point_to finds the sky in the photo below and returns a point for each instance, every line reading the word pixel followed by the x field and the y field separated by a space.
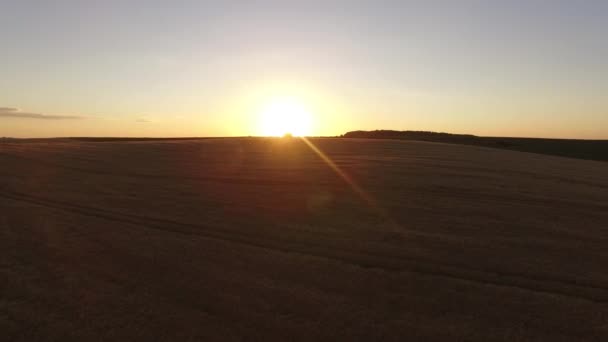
pixel 536 68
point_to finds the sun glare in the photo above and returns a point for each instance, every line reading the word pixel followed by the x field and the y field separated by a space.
pixel 285 116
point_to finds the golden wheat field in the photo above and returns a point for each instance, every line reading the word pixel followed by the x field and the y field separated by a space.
pixel 260 239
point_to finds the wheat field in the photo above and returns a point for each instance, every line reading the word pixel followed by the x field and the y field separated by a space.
pixel 260 239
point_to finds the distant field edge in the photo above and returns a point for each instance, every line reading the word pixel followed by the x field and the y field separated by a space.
pixel 570 148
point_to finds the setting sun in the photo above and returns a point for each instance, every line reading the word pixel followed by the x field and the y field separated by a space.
pixel 285 116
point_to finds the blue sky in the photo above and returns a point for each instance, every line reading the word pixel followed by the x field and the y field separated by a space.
pixel 183 68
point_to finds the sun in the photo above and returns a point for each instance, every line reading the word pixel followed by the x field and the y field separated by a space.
pixel 285 116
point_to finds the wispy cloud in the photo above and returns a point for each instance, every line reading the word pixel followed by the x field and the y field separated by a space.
pixel 8 112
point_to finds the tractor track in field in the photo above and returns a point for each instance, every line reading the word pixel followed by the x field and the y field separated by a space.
pixel 138 175
pixel 338 251
pixel 463 193
pixel 263 181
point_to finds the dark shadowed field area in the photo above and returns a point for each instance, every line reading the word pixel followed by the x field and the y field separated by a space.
pixel 260 240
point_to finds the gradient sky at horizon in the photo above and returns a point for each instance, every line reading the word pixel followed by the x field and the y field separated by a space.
pixel 205 68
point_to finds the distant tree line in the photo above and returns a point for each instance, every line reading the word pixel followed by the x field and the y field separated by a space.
pixel 410 135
